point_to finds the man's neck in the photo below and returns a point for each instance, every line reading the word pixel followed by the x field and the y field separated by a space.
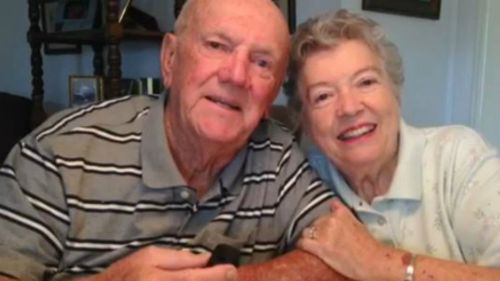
pixel 198 162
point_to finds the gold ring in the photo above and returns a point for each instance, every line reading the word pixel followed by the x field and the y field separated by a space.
pixel 311 232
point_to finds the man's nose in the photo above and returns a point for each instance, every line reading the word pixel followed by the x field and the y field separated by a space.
pixel 236 70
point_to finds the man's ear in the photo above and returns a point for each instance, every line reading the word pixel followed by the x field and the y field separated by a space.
pixel 167 58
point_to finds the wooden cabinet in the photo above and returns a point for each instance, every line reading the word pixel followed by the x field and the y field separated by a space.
pixel 107 38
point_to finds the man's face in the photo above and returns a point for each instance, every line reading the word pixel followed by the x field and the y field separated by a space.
pixel 225 69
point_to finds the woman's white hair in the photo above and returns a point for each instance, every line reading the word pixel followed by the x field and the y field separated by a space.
pixel 329 30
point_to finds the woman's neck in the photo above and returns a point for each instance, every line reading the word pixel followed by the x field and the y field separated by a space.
pixel 373 180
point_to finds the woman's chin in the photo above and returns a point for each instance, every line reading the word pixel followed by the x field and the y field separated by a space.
pixel 361 159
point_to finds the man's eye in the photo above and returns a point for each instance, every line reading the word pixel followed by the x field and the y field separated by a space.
pixel 214 45
pixel 263 63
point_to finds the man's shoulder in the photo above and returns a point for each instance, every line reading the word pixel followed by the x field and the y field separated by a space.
pixel 118 112
pixel 272 131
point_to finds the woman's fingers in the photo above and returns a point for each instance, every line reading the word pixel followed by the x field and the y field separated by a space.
pixel 310 245
pixel 336 204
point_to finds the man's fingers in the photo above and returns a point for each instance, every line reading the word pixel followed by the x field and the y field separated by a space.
pixel 177 260
pixel 224 272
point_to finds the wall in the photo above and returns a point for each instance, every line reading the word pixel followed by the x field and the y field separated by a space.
pixel 14 52
pixel 310 8
pixel 426 47
pixel 488 78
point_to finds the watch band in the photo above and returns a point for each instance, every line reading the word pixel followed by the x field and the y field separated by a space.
pixel 410 269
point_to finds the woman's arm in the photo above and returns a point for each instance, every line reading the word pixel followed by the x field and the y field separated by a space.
pixel 345 245
pixel 297 265
pixel 393 264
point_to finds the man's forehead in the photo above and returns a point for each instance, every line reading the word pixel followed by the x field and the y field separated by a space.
pixel 261 13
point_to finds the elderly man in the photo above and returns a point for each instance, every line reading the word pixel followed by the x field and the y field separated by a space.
pixel 131 188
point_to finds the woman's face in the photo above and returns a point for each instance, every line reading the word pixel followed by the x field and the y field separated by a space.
pixel 350 107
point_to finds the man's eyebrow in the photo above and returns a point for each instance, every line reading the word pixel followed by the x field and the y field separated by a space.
pixel 219 35
pixel 257 48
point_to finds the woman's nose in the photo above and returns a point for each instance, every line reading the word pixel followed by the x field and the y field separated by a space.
pixel 349 104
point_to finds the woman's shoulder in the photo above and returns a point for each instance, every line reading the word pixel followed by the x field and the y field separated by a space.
pixel 455 143
pixel 454 135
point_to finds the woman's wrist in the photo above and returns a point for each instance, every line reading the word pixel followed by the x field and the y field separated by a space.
pixel 390 265
pixel 410 259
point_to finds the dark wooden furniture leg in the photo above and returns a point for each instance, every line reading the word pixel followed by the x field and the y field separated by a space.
pixel 38 114
pixel 114 55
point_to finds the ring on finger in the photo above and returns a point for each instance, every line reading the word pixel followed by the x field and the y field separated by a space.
pixel 311 232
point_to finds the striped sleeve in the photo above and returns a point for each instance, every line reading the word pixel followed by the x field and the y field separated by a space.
pixel 302 195
pixel 33 215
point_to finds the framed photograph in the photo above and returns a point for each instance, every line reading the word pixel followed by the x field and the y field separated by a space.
pixel 75 15
pixel 150 86
pixel 48 10
pixel 85 90
pixel 288 9
pixel 416 8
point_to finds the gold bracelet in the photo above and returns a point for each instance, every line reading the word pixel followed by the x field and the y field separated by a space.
pixel 410 269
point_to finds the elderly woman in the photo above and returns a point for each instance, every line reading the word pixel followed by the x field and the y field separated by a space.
pixel 425 202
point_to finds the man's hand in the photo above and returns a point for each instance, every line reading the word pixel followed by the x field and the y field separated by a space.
pixel 154 264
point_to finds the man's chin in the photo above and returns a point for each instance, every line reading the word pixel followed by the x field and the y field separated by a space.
pixel 223 135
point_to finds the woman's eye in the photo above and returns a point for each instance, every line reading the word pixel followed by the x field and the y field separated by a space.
pixel 321 98
pixel 365 83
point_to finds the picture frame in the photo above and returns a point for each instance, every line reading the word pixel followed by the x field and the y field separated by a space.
pixel 48 17
pixel 429 9
pixel 85 90
pixel 73 15
pixel 150 85
pixel 124 6
pixel 288 8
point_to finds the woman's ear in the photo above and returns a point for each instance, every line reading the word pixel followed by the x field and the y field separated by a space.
pixel 167 58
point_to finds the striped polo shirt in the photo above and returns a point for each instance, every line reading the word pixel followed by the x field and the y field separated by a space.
pixel 95 183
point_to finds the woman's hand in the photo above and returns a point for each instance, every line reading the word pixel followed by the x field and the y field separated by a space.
pixel 343 243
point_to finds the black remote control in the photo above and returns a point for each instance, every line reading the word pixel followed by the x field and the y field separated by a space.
pixel 224 254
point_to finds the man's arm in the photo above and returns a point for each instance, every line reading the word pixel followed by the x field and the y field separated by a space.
pixel 297 265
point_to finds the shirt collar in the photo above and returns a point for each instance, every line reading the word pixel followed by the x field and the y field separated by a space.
pixel 407 181
pixel 158 166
